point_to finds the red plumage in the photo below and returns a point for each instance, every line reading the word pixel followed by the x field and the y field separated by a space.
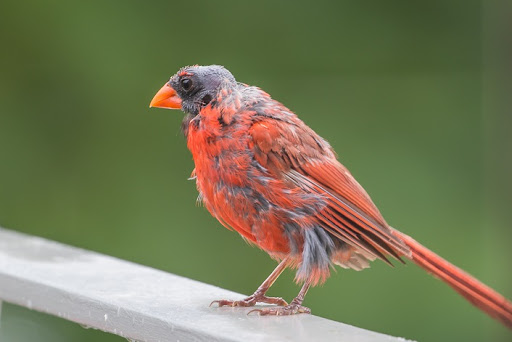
pixel 264 173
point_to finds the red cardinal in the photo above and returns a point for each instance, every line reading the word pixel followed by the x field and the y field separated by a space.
pixel 264 173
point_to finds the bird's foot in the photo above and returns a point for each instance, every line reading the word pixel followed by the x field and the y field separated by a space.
pixel 250 301
pixel 287 310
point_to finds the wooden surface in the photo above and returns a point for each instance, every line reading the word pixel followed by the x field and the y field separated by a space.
pixel 141 303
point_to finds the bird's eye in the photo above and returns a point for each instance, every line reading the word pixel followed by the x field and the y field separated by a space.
pixel 186 84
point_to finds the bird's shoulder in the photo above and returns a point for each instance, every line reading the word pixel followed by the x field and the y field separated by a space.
pixel 279 138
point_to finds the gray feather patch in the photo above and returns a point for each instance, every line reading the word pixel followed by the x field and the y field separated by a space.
pixel 316 254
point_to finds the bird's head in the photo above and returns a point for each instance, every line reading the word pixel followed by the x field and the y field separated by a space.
pixel 192 88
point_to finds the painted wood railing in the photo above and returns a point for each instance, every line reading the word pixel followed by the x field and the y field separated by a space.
pixel 141 303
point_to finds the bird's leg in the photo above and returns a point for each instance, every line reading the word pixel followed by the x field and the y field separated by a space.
pixel 259 294
pixel 295 307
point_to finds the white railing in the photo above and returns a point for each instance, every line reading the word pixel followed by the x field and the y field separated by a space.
pixel 141 303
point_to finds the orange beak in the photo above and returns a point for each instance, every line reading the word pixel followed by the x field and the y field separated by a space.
pixel 166 98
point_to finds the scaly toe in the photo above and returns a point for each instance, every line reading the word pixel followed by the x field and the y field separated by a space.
pixel 250 301
pixel 256 311
pixel 272 300
pixel 224 302
pixel 287 310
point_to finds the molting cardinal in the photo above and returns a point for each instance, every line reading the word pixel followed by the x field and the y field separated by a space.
pixel 264 173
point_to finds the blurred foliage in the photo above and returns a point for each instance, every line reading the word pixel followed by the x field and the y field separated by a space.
pixel 395 86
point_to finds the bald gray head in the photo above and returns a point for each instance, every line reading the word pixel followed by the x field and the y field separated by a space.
pixel 198 85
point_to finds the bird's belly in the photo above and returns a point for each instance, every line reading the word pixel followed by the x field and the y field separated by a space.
pixel 264 210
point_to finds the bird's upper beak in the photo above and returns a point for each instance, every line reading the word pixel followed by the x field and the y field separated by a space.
pixel 166 97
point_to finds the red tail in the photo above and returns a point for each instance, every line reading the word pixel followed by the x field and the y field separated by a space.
pixel 477 293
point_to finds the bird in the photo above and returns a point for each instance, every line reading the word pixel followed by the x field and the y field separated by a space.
pixel 261 171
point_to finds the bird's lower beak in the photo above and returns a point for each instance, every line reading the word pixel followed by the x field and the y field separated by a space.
pixel 166 98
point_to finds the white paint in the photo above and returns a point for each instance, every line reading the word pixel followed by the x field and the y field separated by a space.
pixel 141 303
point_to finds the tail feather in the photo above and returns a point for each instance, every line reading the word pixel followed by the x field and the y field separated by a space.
pixel 477 293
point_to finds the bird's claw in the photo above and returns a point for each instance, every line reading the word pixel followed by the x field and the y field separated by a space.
pixel 232 303
pixel 250 301
pixel 287 310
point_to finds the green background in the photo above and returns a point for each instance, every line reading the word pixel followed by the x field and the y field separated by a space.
pixel 397 87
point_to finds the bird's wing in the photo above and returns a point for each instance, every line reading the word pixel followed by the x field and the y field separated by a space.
pixel 291 150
